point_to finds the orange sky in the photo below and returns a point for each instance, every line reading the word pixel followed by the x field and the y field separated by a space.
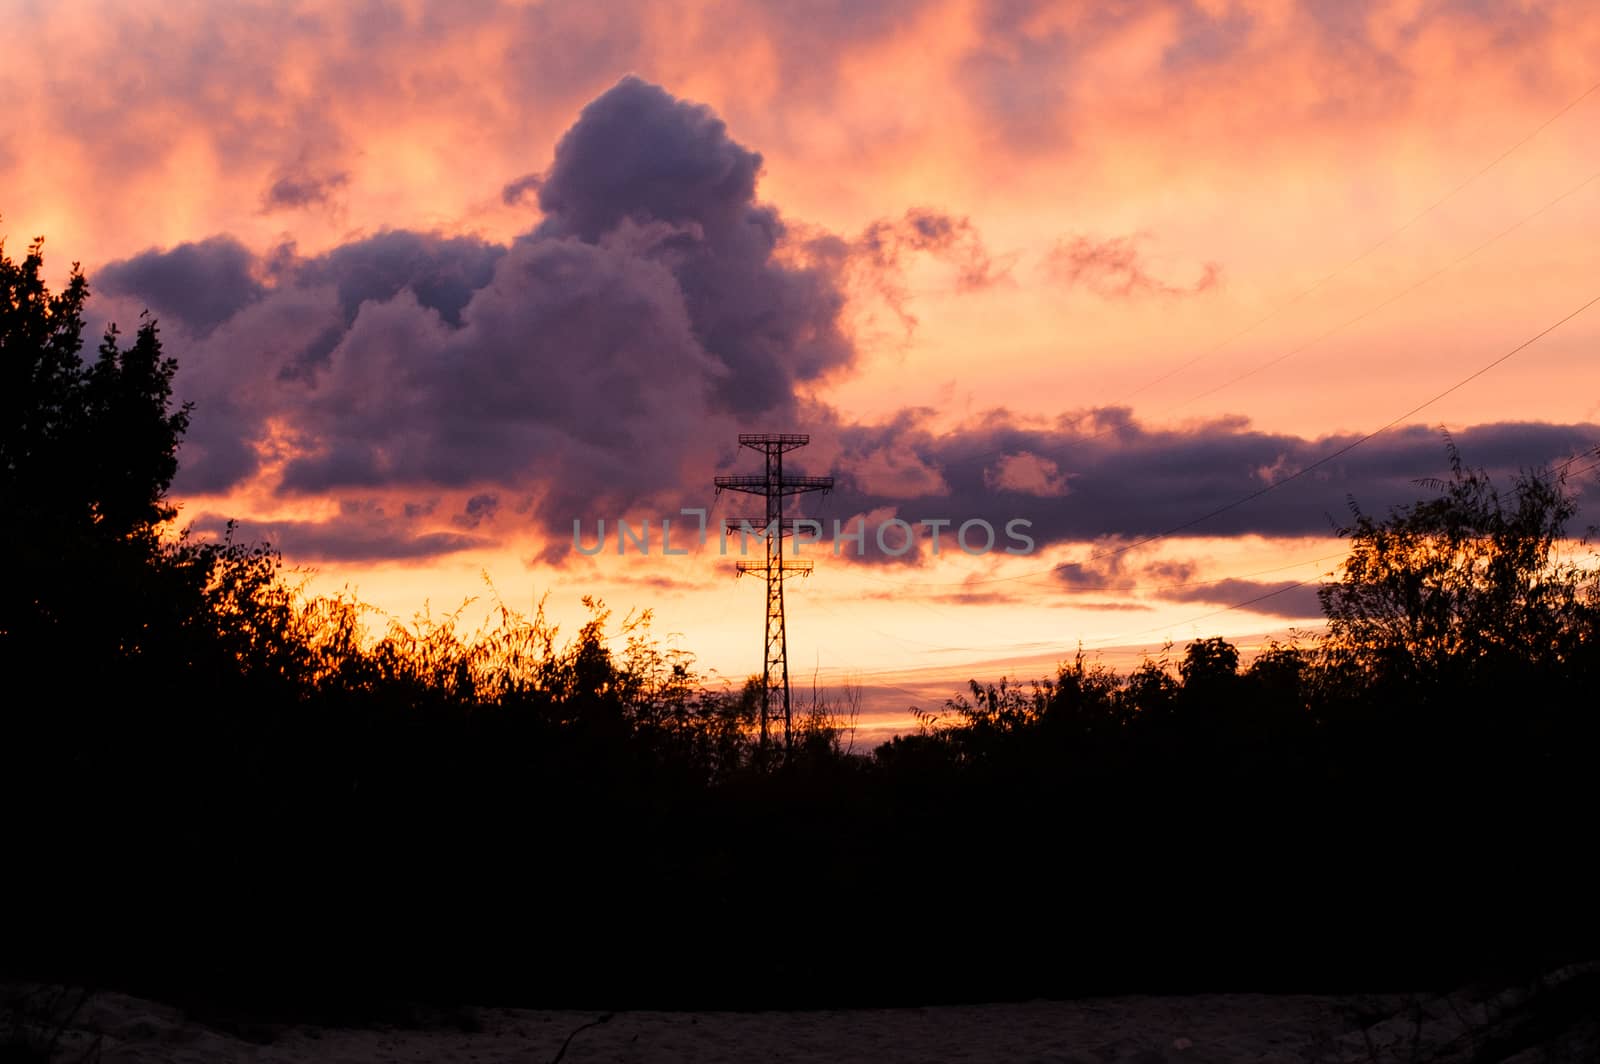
pixel 1376 199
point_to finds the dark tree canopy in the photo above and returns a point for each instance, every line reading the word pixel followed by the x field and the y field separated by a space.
pixel 88 449
pixel 85 449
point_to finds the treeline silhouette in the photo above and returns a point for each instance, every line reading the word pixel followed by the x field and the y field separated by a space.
pixel 219 790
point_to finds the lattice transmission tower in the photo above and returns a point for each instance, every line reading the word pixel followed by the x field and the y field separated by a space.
pixel 773 527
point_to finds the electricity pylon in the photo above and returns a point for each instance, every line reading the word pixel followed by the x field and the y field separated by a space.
pixel 775 487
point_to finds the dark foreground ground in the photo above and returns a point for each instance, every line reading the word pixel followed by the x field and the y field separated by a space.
pixel 1552 1017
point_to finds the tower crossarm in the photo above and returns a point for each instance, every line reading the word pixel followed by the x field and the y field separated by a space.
pixel 756 484
pixel 773 441
pixel 788 567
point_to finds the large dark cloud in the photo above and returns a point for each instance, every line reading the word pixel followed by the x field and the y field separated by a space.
pixel 640 158
pixel 593 363
pixel 638 152
pixel 576 367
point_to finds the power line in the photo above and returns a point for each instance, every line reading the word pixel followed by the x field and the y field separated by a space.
pixel 1338 271
pixel 1307 345
pixel 1588 452
pixel 1585 469
pixel 1244 603
pixel 1254 599
pixel 1389 237
pixel 1383 242
pixel 1302 471
pixel 1347 448
pixel 1231 381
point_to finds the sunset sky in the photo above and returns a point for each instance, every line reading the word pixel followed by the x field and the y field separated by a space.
pixel 442 277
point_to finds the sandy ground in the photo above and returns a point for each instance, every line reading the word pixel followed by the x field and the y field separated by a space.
pixel 1504 1024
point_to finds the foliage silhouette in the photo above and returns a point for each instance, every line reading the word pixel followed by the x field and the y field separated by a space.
pixel 1462 581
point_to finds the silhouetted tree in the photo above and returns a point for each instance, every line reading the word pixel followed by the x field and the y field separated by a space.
pixel 1082 703
pixel 1278 669
pixel 1150 692
pixel 87 453
pixel 1209 665
pixel 1462 578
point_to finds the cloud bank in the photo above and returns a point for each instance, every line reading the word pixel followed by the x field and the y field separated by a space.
pixel 602 362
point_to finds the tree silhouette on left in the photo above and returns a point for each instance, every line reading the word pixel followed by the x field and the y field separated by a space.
pixel 82 446
pixel 88 450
